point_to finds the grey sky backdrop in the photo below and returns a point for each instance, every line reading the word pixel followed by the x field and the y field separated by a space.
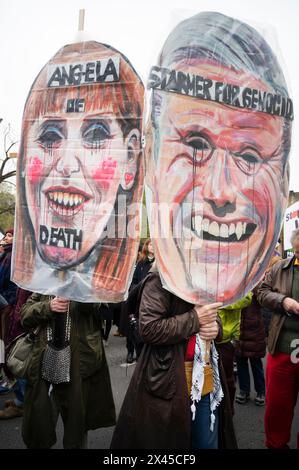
pixel 31 32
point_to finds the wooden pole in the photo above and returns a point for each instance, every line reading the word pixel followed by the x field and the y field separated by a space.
pixel 61 275
pixel 81 20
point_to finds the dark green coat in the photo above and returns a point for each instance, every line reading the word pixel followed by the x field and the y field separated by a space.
pixel 86 402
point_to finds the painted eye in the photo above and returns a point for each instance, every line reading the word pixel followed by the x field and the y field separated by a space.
pixel 95 134
pixel 202 149
pixel 248 160
pixel 50 137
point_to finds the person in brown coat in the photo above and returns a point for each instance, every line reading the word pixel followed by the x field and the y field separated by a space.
pixel 156 410
pixel 251 346
pixel 280 292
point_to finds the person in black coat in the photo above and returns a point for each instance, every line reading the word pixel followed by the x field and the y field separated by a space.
pixel 251 348
pixel 8 291
pixel 143 266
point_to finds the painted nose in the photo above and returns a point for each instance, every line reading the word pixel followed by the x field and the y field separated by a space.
pixel 68 164
pixel 218 190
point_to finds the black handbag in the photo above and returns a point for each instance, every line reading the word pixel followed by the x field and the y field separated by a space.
pixel 56 363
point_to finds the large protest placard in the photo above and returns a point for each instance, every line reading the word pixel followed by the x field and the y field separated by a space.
pixel 217 152
pixel 80 176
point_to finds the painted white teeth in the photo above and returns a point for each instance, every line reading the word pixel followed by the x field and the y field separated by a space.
pixel 224 231
pixel 205 225
pixel 214 229
pixel 197 223
pixel 67 200
pixel 218 230
pixel 239 230
pixel 232 229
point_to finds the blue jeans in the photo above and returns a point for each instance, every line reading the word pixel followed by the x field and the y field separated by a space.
pixel 202 437
pixel 257 372
pixel 19 391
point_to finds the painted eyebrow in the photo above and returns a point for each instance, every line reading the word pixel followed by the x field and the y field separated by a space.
pixel 209 136
pixel 200 130
pixel 60 123
pixel 107 116
pixel 95 120
pixel 259 119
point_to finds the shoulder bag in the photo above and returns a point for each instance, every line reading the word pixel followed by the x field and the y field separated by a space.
pixel 20 355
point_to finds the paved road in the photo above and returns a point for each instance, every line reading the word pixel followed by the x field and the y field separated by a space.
pixel 248 418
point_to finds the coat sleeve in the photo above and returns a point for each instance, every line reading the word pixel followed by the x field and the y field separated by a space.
pixel 155 326
pixel 36 311
pixel 267 297
pixel 220 329
pixel 136 276
pixel 242 303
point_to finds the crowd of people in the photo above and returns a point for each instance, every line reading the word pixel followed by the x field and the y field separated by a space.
pixel 168 325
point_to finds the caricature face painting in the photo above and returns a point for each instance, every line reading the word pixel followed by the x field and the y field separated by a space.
pixel 80 151
pixel 74 173
pixel 218 142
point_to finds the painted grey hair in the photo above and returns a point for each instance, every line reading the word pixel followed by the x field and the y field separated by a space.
pixel 221 39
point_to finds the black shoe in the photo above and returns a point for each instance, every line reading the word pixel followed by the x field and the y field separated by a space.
pixel 259 399
pixel 242 397
pixel 130 358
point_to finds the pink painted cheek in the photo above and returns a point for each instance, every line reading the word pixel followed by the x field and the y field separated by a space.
pixel 104 173
pixel 261 200
pixel 34 170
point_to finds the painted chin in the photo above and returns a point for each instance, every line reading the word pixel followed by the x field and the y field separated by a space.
pixel 60 257
pixel 221 282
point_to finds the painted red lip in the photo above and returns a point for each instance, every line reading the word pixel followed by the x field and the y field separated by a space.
pixel 237 229
pixel 67 189
pixel 66 201
pixel 213 218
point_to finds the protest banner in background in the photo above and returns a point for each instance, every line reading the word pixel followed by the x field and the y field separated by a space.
pixel 291 222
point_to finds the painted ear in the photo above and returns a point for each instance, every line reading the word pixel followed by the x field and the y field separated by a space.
pixel 133 151
pixel 149 157
pixel 152 143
